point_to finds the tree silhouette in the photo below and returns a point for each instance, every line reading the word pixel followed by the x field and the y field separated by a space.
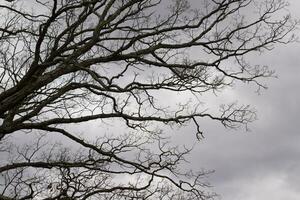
pixel 69 62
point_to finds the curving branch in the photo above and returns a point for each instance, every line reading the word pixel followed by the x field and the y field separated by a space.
pixel 67 63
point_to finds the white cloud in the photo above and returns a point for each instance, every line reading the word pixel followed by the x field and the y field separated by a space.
pixel 273 187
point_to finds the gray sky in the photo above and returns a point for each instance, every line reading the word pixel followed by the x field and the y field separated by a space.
pixel 264 163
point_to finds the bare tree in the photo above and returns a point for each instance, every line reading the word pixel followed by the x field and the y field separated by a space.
pixel 69 62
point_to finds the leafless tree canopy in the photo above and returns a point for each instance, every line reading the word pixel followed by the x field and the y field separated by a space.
pixel 68 62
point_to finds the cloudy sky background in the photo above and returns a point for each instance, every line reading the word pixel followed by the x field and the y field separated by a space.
pixel 259 165
pixel 264 163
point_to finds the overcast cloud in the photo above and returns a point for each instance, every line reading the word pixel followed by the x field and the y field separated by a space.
pixel 264 163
